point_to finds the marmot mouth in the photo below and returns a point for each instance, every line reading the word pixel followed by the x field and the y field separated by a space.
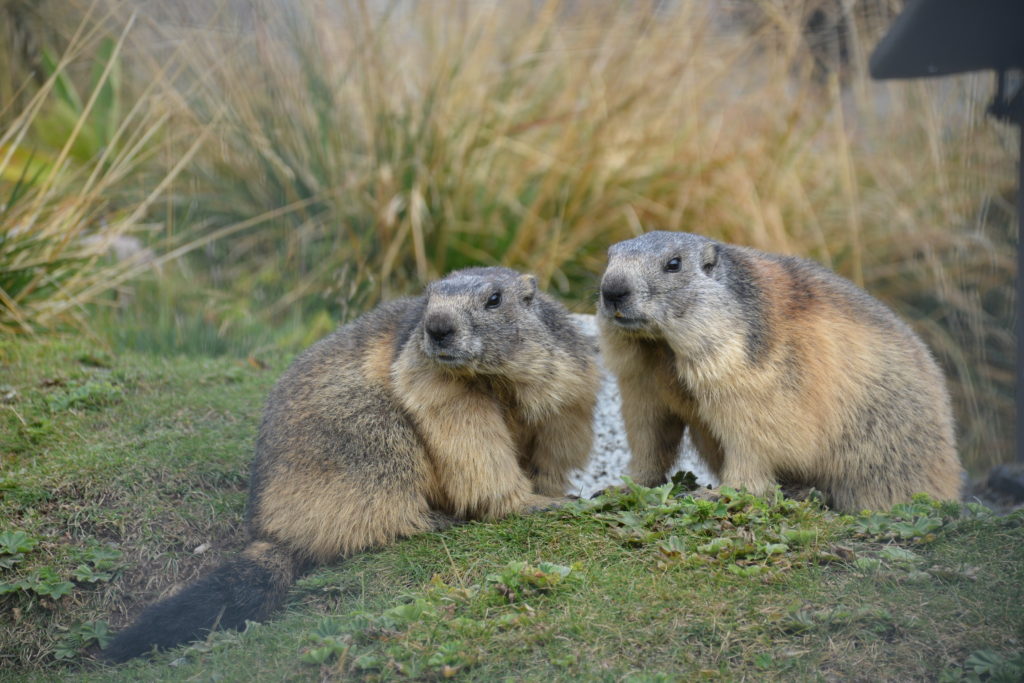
pixel 450 359
pixel 628 323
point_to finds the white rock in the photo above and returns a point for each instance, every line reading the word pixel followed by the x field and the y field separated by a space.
pixel 610 454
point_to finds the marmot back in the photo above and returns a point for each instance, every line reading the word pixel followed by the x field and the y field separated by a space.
pixel 783 371
pixel 473 401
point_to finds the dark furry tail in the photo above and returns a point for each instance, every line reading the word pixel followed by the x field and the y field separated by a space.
pixel 249 587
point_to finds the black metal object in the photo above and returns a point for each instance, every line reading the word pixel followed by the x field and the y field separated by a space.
pixel 941 37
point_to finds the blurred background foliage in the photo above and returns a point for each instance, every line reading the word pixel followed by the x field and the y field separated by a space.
pixel 238 176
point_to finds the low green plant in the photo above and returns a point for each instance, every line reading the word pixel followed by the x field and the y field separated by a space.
pixel 989 666
pixel 914 522
pixel 82 636
pixel 880 621
pixel 43 582
pixel 13 546
pixel 426 635
pixel 747 535
pixel 99 564
pixel 89 395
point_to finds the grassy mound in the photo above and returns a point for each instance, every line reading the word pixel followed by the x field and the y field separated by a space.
pixel 124 476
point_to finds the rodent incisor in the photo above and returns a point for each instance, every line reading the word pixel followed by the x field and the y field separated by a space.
pixel 473 401
pixel 783 371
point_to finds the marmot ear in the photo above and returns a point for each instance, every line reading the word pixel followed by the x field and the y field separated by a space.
pixel 529 283
pixel 709 257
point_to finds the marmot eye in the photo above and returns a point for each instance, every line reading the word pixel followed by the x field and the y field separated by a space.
pixel 494 300
pixel 673 265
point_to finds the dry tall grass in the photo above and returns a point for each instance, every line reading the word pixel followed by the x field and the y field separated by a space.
pixel 77 177
pixel 357 149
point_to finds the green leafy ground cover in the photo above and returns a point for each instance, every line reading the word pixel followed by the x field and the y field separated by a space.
pixel 116 469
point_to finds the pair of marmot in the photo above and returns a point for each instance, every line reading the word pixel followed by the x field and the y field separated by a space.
pixel 475 401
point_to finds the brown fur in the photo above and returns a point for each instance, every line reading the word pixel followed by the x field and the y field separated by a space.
pixel 423 412
pixel 783 371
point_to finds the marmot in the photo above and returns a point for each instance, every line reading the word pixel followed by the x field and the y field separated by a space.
pixel 470 402
pixel 784 372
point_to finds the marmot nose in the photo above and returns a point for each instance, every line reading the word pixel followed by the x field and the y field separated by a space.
pixel 614 291
pixel 440 328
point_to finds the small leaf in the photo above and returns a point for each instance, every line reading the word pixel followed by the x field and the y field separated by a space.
pixel 868 564
pixel 12 542
pixel 54 590
pixel 715 546
pixel 752 570
pixel 86 574
pixel 103 558
pixel 984 662
pixel 8 561
pixel 898 554
pixel 316 655
pixel 556 569
pixel 369 660
pixel 674 546
pixel 799 536
pixel 684 481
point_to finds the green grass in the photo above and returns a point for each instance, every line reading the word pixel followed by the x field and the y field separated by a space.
pixel 139 453
pixel 117 466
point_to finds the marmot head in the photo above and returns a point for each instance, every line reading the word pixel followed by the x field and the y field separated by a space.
pixel 475 318
pixel 671 285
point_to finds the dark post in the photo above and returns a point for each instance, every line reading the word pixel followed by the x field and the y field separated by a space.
pixel 1019 291
pixel 1010 108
